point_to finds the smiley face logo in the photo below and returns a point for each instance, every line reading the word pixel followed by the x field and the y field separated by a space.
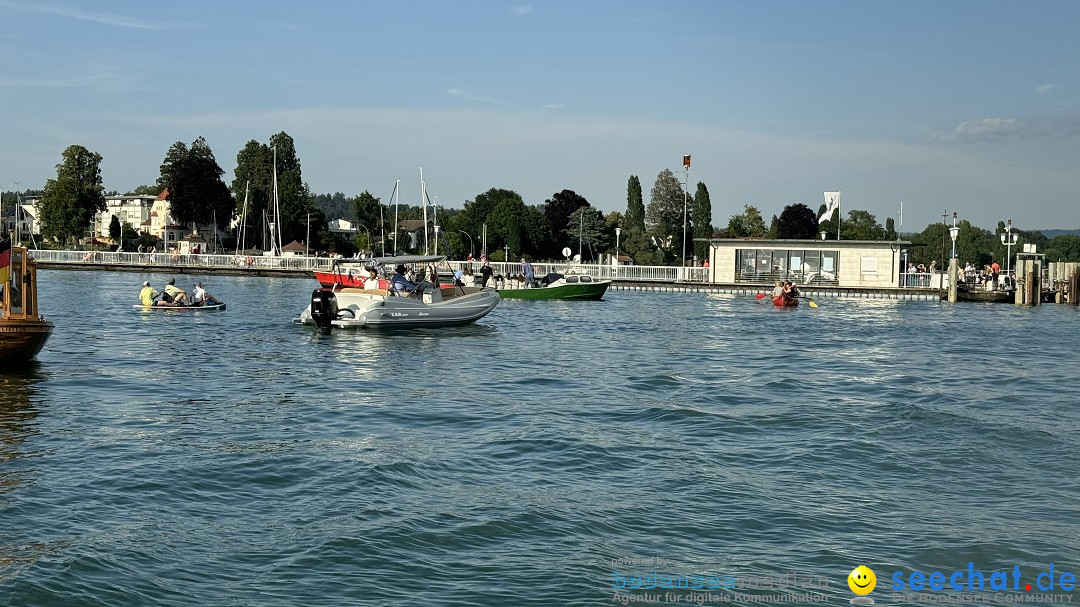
pixel 861 580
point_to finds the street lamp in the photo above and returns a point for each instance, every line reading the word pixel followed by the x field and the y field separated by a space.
pixel 685 204
pixel 436 239
pixel 1008 239
pixel 470 242
pixel 507 257
pixel 617 232
pixel 953 231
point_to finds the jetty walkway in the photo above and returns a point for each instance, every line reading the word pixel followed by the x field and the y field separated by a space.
pixel 660 279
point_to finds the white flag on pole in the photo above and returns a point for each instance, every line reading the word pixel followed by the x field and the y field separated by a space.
pixel 832 202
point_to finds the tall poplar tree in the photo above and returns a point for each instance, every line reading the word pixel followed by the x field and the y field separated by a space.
pixel 702 219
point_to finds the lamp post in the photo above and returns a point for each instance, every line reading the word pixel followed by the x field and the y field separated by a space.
pixel 685 204
pixel 617 232
pixel 436 239
pixel 953 231
pixel 470 242
pixel 1008 239
pixel 506 258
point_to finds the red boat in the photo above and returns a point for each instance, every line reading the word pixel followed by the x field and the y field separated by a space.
pixel 346 277
pixel 784 301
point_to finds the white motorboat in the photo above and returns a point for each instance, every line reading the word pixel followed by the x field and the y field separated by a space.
pixel 431 305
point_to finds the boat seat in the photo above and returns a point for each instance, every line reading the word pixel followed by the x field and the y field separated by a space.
pixel 381 292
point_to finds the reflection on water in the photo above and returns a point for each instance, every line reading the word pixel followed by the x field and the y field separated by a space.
pixel 17 412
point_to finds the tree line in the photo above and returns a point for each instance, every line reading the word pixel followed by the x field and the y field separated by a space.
pixel 651 234
pixel 976 245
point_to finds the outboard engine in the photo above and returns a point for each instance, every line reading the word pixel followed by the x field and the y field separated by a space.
pixel 324 308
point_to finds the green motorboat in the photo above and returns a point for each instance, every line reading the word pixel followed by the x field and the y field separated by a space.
pixel 570 286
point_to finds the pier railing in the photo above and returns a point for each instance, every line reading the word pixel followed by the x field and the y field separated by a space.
pixel 196 261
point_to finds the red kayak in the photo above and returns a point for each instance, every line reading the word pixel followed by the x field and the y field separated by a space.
pixel 785 302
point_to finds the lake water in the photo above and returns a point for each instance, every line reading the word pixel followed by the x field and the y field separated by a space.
pixel 236 459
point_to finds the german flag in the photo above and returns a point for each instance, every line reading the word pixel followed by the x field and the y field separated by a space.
pixel 5 260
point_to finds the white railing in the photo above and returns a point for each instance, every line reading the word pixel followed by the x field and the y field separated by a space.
pixel 301 263
pixel 173 260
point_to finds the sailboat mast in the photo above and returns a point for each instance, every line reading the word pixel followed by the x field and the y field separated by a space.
pixel 382 222
pixel 396 223
pixel 242 241
pixel 276 237
pixel 423 203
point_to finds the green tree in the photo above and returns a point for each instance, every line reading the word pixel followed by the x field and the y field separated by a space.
pixel 861 225
pixel 559 208
pixel 293 195
pixel 635 206
pixel 69 202
pixel 797 221
pixel 774 228
pixel 253 186
pixel 588 231
pixel 196 192
pixel 173 156
pixel 664 215
pixel 1065 247
pixel 748 223
pixel 115 230
pixel 368 211
pixel 890 229
pixel 145 190
pixel 702 221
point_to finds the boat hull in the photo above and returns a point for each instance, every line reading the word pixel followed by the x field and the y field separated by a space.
pixel 207 308
pixel 357 310
pixel 21 340
pixel 1003 296
pixel 785 302
pixel 582 291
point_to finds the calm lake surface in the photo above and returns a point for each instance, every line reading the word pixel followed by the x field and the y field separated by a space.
pixel 236 459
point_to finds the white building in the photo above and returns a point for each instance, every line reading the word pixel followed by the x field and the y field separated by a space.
pixel 132 210
pixel 841 263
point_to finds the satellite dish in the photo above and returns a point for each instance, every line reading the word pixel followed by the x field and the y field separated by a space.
pixel 577 258
pixel 566 251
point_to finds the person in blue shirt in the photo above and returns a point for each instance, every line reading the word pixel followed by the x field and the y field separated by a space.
pixel 400 284
pixel 527 270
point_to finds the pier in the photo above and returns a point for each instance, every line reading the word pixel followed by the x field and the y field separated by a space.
pixel 654 279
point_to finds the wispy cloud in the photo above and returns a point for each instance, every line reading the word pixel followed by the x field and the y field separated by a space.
pixel 71 12
pixel 553 106
pixel 461 94
pixel 58 82
pixel 995 129
pixel 521 10
pixel 1045 88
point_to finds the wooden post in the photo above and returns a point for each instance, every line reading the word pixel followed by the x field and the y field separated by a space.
pixel 1074 288
pixel 953 275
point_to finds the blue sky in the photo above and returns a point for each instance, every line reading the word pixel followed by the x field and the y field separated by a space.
pixel 972 106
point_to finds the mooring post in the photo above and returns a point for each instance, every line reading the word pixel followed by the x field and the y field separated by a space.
pixel 953 275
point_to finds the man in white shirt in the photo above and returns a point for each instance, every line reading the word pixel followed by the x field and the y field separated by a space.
pixel 200 297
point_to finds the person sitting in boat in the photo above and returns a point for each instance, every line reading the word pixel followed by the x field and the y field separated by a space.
pixel 199 297
pixel 791 291
pixel 400 284
pixel 174 294
pixel 778 290
pixel 372 281
pixel 148 295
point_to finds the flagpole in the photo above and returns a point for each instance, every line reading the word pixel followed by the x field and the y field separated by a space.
pixel 839 215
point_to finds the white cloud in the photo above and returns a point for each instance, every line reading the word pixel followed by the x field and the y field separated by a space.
pixel 996 129
pixel 1045 88
pixel 521 10
pixel 461 94
pixel 71 12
